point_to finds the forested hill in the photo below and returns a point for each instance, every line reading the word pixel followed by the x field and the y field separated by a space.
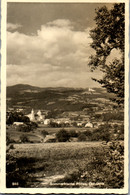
pixel 67 99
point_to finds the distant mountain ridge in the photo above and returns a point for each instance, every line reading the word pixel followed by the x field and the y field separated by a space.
pixel 61 98
pixel 26 86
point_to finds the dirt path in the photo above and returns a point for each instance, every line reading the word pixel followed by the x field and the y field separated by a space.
pixel 49 180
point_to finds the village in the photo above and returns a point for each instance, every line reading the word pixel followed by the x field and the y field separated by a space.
pixel 40 117
pixel 96 113
pixel 85 120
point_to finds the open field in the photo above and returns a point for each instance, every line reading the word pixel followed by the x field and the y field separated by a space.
pixel 48 164
pixel 44 160
pixel 15 135
pixel 35 135
pixel 52 130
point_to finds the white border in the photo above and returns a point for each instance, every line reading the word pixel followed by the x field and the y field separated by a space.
pixel 3 188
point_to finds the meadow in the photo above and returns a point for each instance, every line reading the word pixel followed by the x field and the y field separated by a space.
pixel 51 164
pixel 33 162
pixel 35 135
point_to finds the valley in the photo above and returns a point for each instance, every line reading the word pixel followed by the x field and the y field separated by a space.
pixel 62 136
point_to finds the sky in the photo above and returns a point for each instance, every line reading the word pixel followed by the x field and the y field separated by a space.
pixel 48 44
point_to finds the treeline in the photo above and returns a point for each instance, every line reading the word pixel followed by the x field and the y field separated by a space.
pixel 12 117
pixel 110 116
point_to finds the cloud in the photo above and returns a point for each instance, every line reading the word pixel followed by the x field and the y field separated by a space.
pixel 56 56
pixel 61 23
pixel 40 76
pixel 11 26
pixel 115 53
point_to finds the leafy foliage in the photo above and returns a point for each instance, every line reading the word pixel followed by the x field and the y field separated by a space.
pixel 82 137
pixel 9 140
pixel 16 117
pixel 113 116
pixel 44 133
pixel 73 133
pixel 30 126
pixel 24 138
pixel 108 35
pixel 62 135
pixel 115 165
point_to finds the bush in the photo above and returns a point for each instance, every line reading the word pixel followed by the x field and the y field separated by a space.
pixel 82 137
pixel 115 165
pixel 119 130
pixel 88 133
pixel 16 117
pixel 17 171
pixel 102 133
pixel 11 146
pixel 24 138
pixel 54 124
pixel 44 133
pixel 73 133
pixel 62 135
pixel 8 140
pixel 29 126
pixel 113 116
pixel 100 136
pixel 34 125
pixel 23 128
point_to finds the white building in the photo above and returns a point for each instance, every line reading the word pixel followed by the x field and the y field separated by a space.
pixel 90 125
pixel 91 90
pixel 40 116
pixel 47 121
pixel 31 116
pixel 18 123
pixel 79 124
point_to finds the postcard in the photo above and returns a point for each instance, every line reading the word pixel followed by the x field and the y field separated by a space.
pixel 64 96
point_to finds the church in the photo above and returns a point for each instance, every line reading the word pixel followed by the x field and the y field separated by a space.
pixel 36 116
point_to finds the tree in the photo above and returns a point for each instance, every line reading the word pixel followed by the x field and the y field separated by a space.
pixel 82 137
pixel 44 133
pixel 24 138
pixel 62 135
pixel 73 133
pixel 16 117
pixel 107 36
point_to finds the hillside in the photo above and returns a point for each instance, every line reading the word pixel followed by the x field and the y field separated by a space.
pixel 61 98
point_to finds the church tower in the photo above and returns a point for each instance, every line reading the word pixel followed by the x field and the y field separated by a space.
pixel 40 115
pixel 32 117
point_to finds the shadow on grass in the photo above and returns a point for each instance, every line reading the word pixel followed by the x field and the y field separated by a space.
pixel 19 172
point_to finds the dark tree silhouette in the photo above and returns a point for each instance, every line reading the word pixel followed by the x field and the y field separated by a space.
pixel 108 35
pixel 62 135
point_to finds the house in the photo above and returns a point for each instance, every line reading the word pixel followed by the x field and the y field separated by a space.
pixel 47 121
pixel 18 123
pixel 58 122
pixel 19 109
pixel 10 109
pixel 91 90
pixel 67 122
pixel 89 125
pixel 79 124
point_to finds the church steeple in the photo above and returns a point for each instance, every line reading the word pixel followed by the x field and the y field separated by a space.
pixel 40 115
pixel 32 117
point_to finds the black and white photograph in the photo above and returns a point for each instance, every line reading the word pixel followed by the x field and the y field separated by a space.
pixel 66 101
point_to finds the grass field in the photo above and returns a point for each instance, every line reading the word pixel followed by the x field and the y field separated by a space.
pixel 48 164
pixel 35 135
pixel 42 164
